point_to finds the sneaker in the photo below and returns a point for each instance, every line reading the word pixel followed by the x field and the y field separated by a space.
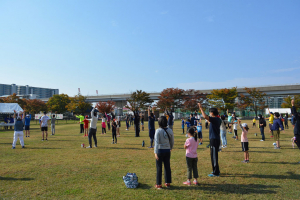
pixel 150 147
pixel 276 147
pixel 42 139
pixel 220 150
pixel 88 147
pixel 112 143
pixel 219 174
pixel 274 143
pixel 23 147
pixel 234 137
pixel 271 136
pixel 212 175
pixel 168 185
pixel 158 187
pixel 26 136
pixel 195 182
pixel 200 143
pixel 95 146
pixel 261 140
pixel 245 161
pixel 13 147
pixel 187 183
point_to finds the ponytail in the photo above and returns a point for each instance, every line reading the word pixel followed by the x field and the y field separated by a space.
pixel 195 136
pixel 193 133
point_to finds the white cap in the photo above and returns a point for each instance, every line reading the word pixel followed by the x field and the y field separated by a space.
pixel 244 125
pixel 27 115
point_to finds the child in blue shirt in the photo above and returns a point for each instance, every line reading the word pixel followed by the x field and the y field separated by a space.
pixel 199 130
pixel 188 125
pixel 182 125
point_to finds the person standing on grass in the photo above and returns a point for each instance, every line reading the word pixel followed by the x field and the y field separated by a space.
pixel 164 142
pixel 108 117
pixel 244 140
pixel 297 124
pixel 151 126
pixel 254 123
pixel 224 131
pixel 81 118
pixel 53 119
pixel 170 118
pixel 93 128
pixel 127 122
pixel 27 124
pixel 229 120
pixel 103 125
pixel 214 137
pixel 142 122
pixel 275 127
pixel 114 132
pixel 188 125
pixel 206 124
pixel 262 125
pixel 86 126
pixel 236 136
pixel 118 122
pixel 191 145
pixel 182 125
pixel 286 121
pixel 199 130
pixel 44 126
pixel 271 119
pixel 18 130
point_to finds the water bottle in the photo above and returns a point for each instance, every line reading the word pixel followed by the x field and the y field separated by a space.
pixel 143 144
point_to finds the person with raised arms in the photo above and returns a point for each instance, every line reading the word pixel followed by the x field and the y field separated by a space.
pixel 18 130
pixel 297 124
pixel 214 137
pixel 27 124
pixel 93 128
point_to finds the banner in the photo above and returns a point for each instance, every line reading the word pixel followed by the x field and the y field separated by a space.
pixel 57 116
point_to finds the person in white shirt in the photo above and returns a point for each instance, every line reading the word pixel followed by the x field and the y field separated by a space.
pixel 93 128
pixel 44 125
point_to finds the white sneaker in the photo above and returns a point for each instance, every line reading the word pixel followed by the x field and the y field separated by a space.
pixel 261 140
pixel 88 147
pixel 274 143
pixel 126 129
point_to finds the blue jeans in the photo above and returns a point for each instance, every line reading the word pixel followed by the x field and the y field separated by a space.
pixel 262 133
pixel 223 137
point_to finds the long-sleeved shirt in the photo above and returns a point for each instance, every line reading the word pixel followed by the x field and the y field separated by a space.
pixel 276 124
pixel 223 125
pixel 170 119
pixel 164 139
pixel 296 121
pixel 94 120
pixel 81 118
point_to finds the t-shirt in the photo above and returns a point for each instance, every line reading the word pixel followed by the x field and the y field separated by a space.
pixel 86 123
pixel 182 123
pixel 53 120
pixel 27 120
pixel 188 124
pixel 214 128
pixel 170 120
pixel 229 118
pixel 151 121
pixel 235 126
pixel 44 121
pixel 254 120
pixel 199 129
pixel 192 145
pixel 192 121
pixel 271 119
pixel 244 137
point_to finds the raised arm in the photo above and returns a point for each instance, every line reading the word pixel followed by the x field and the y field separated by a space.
pixel 202 112
pixel 227 112
pixel 14 114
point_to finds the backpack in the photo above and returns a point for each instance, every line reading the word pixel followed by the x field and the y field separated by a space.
pixel 131 180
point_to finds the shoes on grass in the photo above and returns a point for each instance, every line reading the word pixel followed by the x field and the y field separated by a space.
pixel 188 183
pixel 158 187
pixel 88 147
pixel 42 139
pixel 13 147
pixel 195 182
pixel 150 147
pixel 213 175
pixel 168 185
pixel 95 146
pixel 276 147
pixel 23 147
pixel 26 136
pixel 244 161
pixel 261 140
pixel 200 143
pixel 274 143
pixel 271 136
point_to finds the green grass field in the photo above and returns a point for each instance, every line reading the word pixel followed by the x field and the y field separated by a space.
pixel 61 169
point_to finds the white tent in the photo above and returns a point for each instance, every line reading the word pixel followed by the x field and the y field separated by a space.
pixel 8 108
pixel 279 110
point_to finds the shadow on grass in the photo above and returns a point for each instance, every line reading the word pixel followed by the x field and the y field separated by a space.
pixel 144 186
pixel 290 175
pixel 279 163
pixel 15 179
pixel 256 151
pixel 42 148
pixel 231 188
pixel 125 148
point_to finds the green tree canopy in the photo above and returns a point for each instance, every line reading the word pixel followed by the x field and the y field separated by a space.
pixel 58 103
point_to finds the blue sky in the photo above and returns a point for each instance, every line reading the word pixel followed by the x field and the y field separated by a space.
pixel 120 46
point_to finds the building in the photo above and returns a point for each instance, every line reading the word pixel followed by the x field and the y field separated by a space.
pixel 26 90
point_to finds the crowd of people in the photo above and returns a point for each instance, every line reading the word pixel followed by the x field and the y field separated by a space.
pixel 162 139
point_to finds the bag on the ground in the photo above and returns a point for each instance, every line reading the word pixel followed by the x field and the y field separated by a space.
pixel 131 180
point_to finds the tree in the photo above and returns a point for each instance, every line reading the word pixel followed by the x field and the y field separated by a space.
pixel 255 100
pixel 58 103
pixel 105 107
pixel 35 106
pixel 223 98
pixel 192 98
pixel 287 101
pixel 14 99
pixel 171 97
pixel 139 99
pixel 78 104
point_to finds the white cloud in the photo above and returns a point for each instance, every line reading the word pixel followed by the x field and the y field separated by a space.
pixel 210 18
pixel 285 70
pixel 164 12
pixel 239 82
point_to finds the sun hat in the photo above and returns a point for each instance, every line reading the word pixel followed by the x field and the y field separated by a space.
pixel 244 125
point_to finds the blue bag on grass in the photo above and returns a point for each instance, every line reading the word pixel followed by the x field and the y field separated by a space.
pixel 131 180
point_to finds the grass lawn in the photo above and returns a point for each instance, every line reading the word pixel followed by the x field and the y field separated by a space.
pixel 61 169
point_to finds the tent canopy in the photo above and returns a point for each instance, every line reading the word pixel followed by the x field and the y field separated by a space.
pixel 8 108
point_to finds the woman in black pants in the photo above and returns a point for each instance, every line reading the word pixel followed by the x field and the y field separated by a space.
pixel 262 124
pixel 164 141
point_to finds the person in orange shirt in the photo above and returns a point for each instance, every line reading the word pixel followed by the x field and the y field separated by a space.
pixel 86 126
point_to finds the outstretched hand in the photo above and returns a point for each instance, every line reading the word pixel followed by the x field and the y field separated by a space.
pixel 293 102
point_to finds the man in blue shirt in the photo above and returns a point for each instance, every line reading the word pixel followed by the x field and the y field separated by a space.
pixel 214 137
pixel 27 124
pixel 151 126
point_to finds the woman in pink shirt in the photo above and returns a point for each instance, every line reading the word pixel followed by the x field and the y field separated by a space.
pixel 244 141
pixel 191 145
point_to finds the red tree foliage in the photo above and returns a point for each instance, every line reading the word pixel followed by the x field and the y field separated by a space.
pixel 170 97
pixel 105 107
pixel 192 98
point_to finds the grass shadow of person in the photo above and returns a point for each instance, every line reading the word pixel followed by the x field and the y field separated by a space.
pixel 291 176
pixel 15 179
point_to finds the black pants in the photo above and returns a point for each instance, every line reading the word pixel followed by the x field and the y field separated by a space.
pixel 108 125
pixel 131 122
pixel 183 131
pixel 192 167
pixel 214 149
pixel 262 132
pixel 137 130
pixel 81 128
pixel 92 133
pixel 206 125
pixel 286 125
pixel 297 141
pixel 103 130
pixel 163 158
pixel 114 136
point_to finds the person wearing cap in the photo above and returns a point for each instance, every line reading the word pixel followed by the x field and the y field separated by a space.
pixel 18 130
pixel 275 127
pixel 44 126
pixel 27 124
pixel 214 137
pixel 244 140
pixel 53 119
pixel 86 126
pixel 271 119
